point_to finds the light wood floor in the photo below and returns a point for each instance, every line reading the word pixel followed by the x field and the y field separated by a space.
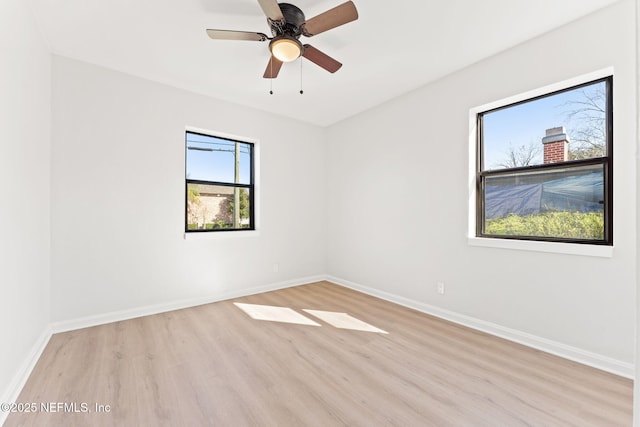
pixel 214 365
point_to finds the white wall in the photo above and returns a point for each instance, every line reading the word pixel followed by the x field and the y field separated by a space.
pixel 25 121
pixel 636 388
pixel 398 193
pixel 392 182
pixel 118 197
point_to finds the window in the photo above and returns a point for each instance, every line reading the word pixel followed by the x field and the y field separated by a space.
pixel 544 167
pixel 219 194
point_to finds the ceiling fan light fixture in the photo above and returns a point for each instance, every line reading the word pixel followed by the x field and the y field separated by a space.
pixel 285 48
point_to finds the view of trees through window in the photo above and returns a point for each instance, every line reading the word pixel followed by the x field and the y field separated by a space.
pixel 545 167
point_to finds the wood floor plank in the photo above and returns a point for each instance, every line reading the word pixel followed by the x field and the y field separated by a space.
pixel 214 365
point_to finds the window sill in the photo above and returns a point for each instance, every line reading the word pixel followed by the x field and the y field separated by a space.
pixel 221 235
pixel 550 247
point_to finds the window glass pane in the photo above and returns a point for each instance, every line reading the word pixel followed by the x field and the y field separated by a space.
pixel 561 203
pixel 569 125
pixel 245 163
pixel 214 159
pixel 213 207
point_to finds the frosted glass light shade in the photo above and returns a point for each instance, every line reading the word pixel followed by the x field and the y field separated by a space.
pixel 285 49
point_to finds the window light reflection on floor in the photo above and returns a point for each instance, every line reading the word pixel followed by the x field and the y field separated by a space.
pixel 344 321
pixel 275 314
pixel 287 315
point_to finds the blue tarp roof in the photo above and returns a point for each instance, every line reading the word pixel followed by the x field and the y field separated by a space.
pixel 584 193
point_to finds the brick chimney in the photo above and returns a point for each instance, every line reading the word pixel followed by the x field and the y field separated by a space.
pixel 556 145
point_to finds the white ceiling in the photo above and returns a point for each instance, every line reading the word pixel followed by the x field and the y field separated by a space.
pixel 392 48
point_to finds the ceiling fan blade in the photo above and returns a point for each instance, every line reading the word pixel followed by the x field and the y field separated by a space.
pixel 273 68
pixel 321 59
pixel 271 9
pixel 236 35
pixel 332 18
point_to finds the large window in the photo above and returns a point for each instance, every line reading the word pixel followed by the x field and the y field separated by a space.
pixel 544 167
pixel 219 192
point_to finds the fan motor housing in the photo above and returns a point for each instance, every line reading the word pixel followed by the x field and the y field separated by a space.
pixel 293 18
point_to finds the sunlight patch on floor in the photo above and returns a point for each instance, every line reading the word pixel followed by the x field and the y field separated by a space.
pixel 275 314
pixel 344 321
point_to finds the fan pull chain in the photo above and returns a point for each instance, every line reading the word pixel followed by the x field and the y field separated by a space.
pixel 301 91
pixel 271 79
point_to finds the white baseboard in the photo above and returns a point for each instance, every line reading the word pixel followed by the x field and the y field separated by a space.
pixel 12 392
pixel 116 316
pixel 585 357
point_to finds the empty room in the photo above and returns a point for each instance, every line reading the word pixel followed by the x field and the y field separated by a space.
pixel 251 213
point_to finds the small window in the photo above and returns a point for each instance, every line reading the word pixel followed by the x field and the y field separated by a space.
pixel 544 167
pixel 219 184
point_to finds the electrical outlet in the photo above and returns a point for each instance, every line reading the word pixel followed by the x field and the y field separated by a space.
pixel 276 267
pixel 440 288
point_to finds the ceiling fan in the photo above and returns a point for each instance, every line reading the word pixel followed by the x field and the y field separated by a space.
pixel 287 24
